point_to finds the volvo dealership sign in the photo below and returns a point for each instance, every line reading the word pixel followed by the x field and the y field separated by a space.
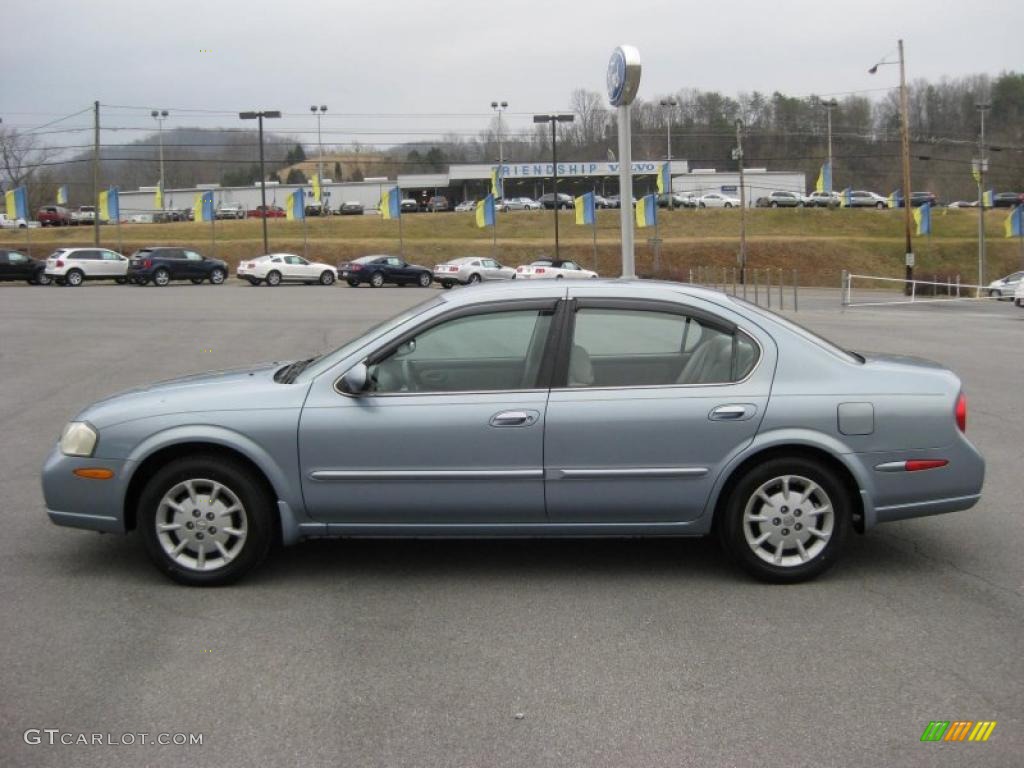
pixel 568 169
pixel 623 75
pixel 623 81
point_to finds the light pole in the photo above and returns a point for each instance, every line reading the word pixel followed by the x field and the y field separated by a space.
pixel 554 118
pixel 668 104
pixel 982 167
pixel 500 107
pixel 829 106
pixel 319 111
pixel 263 175
pixel 160 115
pixel 908 216
pixel 738 154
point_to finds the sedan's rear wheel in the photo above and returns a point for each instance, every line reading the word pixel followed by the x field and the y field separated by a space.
pixel 206 520
pixel 879 205
pixel 786 520
pixel 327 277
pixel 474 279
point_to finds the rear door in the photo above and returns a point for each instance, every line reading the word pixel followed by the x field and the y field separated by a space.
pixel 651 401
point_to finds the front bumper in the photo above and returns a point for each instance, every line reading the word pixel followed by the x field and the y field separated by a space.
pixel 78 502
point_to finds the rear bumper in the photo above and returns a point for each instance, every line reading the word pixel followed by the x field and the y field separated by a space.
pixel 925 508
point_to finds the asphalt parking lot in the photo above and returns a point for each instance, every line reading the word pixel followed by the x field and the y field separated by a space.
pixel 463 653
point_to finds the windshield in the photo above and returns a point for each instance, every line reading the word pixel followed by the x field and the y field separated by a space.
pixel 326 361
pixel 799 330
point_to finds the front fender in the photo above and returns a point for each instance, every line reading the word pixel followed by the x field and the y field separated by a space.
pixel 804 438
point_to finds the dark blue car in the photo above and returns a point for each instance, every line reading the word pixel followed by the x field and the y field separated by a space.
pixel 162 264
pixel 377 270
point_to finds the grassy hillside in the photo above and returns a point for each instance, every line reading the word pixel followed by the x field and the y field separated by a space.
pixel 817 242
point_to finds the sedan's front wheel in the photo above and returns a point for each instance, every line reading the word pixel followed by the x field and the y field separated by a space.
pixel 206 520
pixel 425 280
pixel 786 520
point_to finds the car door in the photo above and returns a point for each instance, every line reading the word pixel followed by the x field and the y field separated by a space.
pixel 192 265
pixel 8 271
pixel 492 270
pixel 20 266
pixel 648 404
pixel 450 430
pixel 399 271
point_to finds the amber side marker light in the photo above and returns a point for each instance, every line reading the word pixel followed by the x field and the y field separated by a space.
pixel 94 473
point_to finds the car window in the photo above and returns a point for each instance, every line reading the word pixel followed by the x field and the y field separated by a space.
pixel 85 255
pixel 491 351
pixel 276 260
pixel 489 263
pixel 394 262
pixel 16 258
pixel 192 256
pixel 625 347
pixel 110 256
pixel 570 265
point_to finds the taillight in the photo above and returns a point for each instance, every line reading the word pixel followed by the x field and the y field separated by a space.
pixel 147 263
pixel 539 271
pixel 60 263
pixel 453 269
pixel 355 267
pixel 961 412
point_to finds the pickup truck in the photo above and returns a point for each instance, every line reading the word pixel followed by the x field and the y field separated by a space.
pixel 84 216
pixel 53 216
pixel 230 211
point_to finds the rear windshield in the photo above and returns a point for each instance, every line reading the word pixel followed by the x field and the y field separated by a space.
pixel 799 330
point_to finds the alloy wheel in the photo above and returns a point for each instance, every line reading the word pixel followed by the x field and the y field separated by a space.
pixel 201 524
pixel 788 521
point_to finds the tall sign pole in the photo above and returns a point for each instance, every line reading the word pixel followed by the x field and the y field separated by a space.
pixel 908 215
pixel 623 82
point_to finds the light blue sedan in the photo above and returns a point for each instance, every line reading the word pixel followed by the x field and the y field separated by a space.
pixel 610 408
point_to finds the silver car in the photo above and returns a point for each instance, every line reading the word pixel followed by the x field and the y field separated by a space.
pixel 520 204
pixel 1004 287
pixel 601 408
pixel 470 270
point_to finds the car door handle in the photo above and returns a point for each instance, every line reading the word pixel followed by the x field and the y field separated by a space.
pixel 514 418
pixel 732 413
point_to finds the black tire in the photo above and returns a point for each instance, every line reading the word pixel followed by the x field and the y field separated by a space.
pixel 425 279
pixel 995 294
pixel 42 278
pixel 376 280
pixel 196 280
pixel 253 281
pixel 74 278
pixel 447 284
pixel 217 276
pixel 353 283
pixel 731 528
pixel 273 278
pixel 250 490
pixel 879 205
pixel 559 277
pixel 121 280
pixel 161 278
pixel 327 277
pixel 474 279
pixel 701 205
pixel 774 204
pixel 728 205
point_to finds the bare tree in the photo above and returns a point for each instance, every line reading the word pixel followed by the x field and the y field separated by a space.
pixel 21 157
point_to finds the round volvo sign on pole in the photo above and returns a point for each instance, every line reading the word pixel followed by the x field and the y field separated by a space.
pixel 623 82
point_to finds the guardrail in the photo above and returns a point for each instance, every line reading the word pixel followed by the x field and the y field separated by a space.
pixel 905 291
pixel 754 285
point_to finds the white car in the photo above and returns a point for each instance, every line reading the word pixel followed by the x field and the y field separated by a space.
pixel 717 200
pixel 73 266
pixel 548 269
pixel 141 218
pixel 468 205
pixel 277 268
pixel 6 223
pixel 1018 295
pixel 1005 287
pixel 520 204
pixel 470 270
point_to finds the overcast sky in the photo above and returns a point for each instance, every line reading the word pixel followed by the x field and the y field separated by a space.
pixel 455 56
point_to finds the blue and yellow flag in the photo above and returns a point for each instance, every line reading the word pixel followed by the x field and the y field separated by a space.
pixel 158 197
pixel 824 182
pixel 986 198
pixel 110 207
pixel 923 219
pixel 895 199
pixel 295 205
pixel 498 181
pixel 647 211
pixel 391 203
pixel 844 198
pixel 585 213
pixel 665 178
pixel 1014 224
pixel 62 194
pixel 316 187
pixel 17 203
pixel 202 208
pixel 485 212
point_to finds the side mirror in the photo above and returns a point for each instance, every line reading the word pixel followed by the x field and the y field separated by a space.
pixel 355 379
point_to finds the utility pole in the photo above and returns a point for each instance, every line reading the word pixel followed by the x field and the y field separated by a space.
pixel 554 119
pixel 263 175
pixel 320 148
pixel 982 167
pixel 908 216
pixel 160 116
pixel 738 153
pixel 96 173
pixel 499 108
pixel 668 104
pixel 829 106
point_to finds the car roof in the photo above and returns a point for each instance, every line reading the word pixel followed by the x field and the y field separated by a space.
pixel 617 287
pixel 464 259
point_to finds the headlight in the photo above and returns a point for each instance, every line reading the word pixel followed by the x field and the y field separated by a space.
pixel 78 439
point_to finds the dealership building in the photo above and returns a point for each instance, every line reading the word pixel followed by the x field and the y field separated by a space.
pixel 472 182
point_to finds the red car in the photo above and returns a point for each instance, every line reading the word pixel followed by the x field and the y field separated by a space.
pixel 53 216
pixel 270 212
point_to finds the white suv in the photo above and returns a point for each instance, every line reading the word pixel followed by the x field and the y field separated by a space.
pixel 73 266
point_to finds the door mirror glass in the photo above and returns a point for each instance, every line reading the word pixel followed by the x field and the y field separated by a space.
pixel 355 379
